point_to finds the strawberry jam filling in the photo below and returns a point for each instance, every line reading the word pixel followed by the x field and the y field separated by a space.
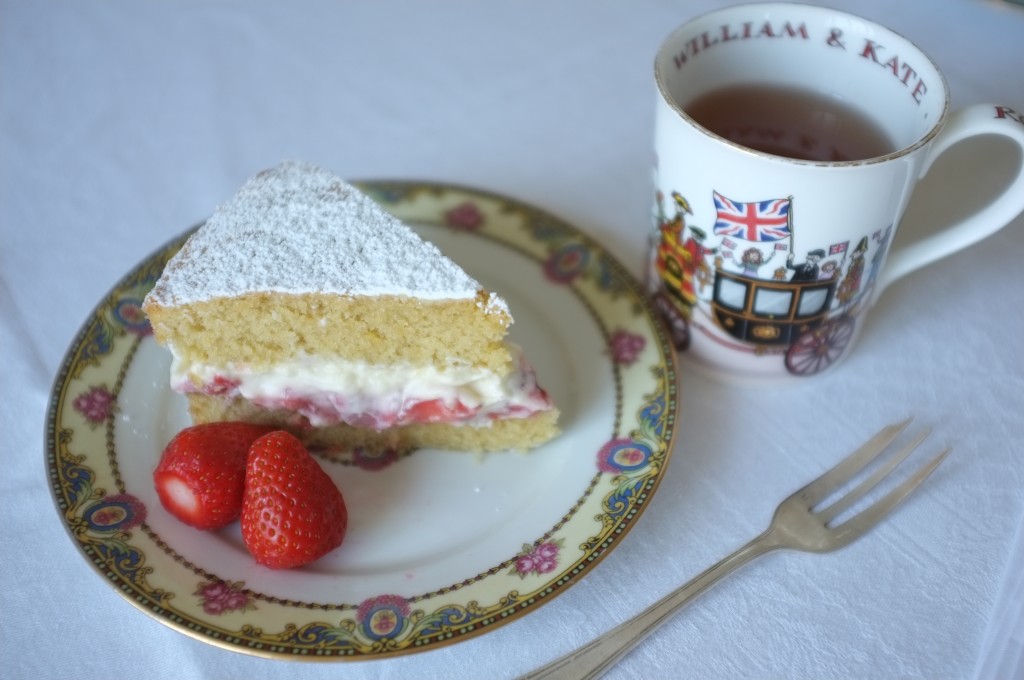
pixel 377 397
pixel 330 409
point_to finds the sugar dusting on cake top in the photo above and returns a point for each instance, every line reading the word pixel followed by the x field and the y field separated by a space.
pixel 297 228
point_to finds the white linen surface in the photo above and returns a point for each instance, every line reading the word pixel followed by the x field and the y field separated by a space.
pixel 123 123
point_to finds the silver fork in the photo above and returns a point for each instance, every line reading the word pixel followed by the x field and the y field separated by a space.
pixel 797 524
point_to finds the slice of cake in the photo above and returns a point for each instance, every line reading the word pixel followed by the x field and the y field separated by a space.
pixel 303 304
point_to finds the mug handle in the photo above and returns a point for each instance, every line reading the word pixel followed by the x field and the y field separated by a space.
pixel 979 119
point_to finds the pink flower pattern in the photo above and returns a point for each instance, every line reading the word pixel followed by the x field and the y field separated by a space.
pixel 221 597
pixel 465 217
pixel 625 347
pixel 95 405
pixel 538 559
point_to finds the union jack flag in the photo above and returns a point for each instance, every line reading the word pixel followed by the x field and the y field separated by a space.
pixel 758 221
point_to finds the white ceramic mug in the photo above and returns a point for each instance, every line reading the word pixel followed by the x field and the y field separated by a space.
pixel 765 265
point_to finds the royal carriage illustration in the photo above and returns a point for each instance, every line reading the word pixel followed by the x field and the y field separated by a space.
pixel 805 311
pixel 792 317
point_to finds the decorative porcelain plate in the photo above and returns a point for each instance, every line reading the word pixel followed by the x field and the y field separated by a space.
pixel 441 546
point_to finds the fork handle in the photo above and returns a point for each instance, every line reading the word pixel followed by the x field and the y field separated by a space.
pixel 595 658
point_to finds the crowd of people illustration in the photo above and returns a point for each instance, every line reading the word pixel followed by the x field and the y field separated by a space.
pixel 696 261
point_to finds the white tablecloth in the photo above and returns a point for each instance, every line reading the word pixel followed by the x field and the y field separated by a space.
pixel 123 123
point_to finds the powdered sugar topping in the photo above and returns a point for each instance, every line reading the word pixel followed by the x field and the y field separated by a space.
pixel 298 229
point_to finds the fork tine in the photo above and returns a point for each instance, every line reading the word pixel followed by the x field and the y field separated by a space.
pixel 847 501
pixel 820 488
pixel 858 525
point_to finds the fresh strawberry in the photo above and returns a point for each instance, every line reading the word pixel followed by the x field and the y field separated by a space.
pixel 292 512
pixel 200 477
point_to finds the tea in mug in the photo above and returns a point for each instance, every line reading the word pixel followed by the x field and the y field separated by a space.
pixel 791 122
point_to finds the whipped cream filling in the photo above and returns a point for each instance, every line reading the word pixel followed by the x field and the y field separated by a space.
pixel 328 392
